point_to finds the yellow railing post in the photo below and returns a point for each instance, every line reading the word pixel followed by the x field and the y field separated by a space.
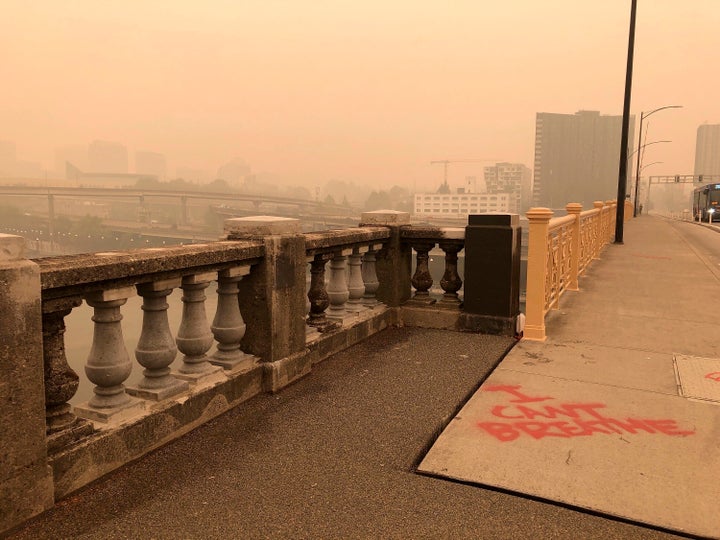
pixel 574 209
pixel 611 209
pixel 539 219
pixel 599 236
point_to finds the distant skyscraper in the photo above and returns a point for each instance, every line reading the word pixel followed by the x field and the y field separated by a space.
pixel 108 157
pixel 150 163
pixel 707 150
pixel 512 178
pixel 577 158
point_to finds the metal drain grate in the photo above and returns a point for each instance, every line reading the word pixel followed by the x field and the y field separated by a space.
pixel 698 378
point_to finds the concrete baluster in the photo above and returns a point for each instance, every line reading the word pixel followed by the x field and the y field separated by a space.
pixel 318 296
pixel 599 236
pixel 108 364
pixel 356 287
pixel 228 326
pixel 156 348
pixel 574 209
pixel 451 281
pixel 539 220
pixel 194 337
pixel 370 279
pixel 422 279
pixel 394 260
pixel 337 289
pixel 61 381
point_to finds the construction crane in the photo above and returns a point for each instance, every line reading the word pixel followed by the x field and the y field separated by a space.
pixel 447 162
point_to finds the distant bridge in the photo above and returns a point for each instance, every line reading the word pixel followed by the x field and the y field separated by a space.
pixel 141 194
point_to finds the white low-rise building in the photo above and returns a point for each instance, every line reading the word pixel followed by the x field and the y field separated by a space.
pixel 460 205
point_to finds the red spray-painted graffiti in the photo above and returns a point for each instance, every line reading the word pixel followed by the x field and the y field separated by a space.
pixel 715 376
pixel 524 416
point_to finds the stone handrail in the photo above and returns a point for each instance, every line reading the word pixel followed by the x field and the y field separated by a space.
pixel 105 281
pixel 559 251
pixel 267 331
pixel 353 279
pixel 451 240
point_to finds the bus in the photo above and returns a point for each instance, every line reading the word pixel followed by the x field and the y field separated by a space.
pixel 706 203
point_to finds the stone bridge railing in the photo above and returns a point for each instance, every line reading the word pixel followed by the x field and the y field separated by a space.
pixel 270 325
pixel 559 251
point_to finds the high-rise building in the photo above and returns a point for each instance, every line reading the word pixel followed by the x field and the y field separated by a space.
pixel 514 179
pixel 707 150
pixel 150 163
pixel 577 158
pixel 108 157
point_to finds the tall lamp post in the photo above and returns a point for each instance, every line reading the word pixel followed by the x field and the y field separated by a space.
pixel 643 116
pixel 622 173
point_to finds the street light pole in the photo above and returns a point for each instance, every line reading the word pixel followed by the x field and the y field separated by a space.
pixel 643 116
pixel 622 173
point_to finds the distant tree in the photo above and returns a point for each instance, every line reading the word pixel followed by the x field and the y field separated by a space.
pixel 219 185
pixel 378 200
pixel 148 183
pixel 329 200
pixel 345 201
pixel 88 226
pixel 62 224
pixel 444 188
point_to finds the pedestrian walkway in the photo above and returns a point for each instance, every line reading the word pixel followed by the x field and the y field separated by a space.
pixel 619 410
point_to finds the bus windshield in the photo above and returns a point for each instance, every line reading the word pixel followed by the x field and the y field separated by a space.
pixel 714 196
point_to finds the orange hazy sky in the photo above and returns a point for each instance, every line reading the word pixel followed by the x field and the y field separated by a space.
pixel 370 91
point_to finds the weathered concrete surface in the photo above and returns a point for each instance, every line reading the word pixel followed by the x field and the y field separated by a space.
pixel 611 345
pixel 394 261
pixel 25 478
pixel 328 457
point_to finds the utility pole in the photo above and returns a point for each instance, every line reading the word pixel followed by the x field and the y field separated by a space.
pixel 622 173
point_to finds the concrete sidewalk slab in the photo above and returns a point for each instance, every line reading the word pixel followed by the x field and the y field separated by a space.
pixel 620 424
pixel 629 453
pixel 698 378
pixel 613 366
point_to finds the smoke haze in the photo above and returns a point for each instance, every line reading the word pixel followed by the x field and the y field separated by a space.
pixel 368 92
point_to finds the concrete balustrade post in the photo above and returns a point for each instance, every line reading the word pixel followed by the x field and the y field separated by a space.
pixel 574 209
pixel 26 481
pixel 356 287
pixel 108 365
pixel 274 297
pixel 394 261
pixel 422 279
pixel 337 289
pixel 369 276
pixel 318 296
pixel 61 381
pixel 610 207
pixel 491 300
pixel 450 282
pixel 194 337
pixel 228 326
pixel 599 233
pixel 539 220
pixel 156 348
